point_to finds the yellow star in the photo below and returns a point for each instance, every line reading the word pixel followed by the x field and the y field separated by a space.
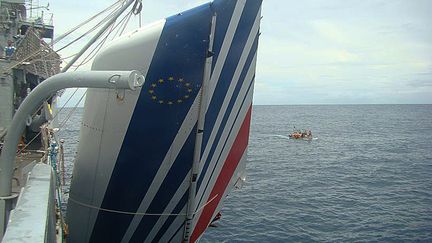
pixel 160 80
pixel 187 84
pixel 170 103
pixel 179 101
pixel 154 97
pixel 186 96
pixel 170 78
pixel 153 85
pixel 189 90
pixel 181 80
pixel 151 91
pixel 161 101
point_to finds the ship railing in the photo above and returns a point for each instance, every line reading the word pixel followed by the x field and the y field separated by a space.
pixel 40 21
pixel 8 15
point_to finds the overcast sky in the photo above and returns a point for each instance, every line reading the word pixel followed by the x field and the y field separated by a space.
pixel 320 51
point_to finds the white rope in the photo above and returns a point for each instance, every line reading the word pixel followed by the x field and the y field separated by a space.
pixel 137 213
pixel 124 21
pixel 96 48
pixel 85 22
pixel 108 17
pixel 71 112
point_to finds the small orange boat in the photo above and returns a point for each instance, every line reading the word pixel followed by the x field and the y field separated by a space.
pixel 301 135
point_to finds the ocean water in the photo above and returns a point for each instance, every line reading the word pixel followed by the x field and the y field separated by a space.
pixel 367 176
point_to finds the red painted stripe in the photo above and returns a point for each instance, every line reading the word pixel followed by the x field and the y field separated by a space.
pixel 230 164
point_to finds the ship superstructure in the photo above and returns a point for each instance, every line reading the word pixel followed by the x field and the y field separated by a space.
pixel 26 59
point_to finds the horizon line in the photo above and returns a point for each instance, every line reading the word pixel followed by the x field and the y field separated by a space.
pixel 315 104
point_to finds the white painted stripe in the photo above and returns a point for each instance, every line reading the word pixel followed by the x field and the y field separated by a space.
pixel 174 227
pixel 178 237
pixel 218 164
pixel 170 157
pixel 226 44
pixel 169 208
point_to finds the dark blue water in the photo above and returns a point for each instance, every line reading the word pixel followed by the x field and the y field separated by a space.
pixel 367 176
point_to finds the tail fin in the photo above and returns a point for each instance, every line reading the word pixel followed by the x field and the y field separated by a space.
pixel 133 169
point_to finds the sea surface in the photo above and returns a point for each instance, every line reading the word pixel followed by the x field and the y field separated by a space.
pixel 366 176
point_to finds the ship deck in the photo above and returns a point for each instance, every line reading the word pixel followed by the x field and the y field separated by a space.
pixel 23 165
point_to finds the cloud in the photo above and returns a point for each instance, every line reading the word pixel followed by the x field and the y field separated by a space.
pixel 424 80
pixel 323 51
pixel 421 84
pixel 330 31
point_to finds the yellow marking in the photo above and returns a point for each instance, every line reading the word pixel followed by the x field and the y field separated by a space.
pixel 187 84
pixel 170 103
pixel 186 96
pixel 161 101
pixel 49 109
pixel 151 91
pixel 153 85
pixel 179 101
pixel 170 78
pixel 181 80
pixel 189 90
pixel 154 97
pixel 160 80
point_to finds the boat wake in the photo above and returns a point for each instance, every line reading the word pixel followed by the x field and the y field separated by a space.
pixel 281 136
pixel 286 137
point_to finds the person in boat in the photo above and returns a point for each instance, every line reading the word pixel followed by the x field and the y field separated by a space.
pixel 9 49
pixel 301 134
pixel 295 134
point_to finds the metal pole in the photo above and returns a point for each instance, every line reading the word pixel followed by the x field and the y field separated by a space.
pixel 190 214
pixel 88 79
pixel 101 31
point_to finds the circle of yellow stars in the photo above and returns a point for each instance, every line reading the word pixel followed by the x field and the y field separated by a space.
pixel 170 80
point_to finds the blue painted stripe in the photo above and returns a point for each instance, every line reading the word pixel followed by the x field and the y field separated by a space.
pixel 245 25
pixel 180 55
pixel 224 10
pixel 227 114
